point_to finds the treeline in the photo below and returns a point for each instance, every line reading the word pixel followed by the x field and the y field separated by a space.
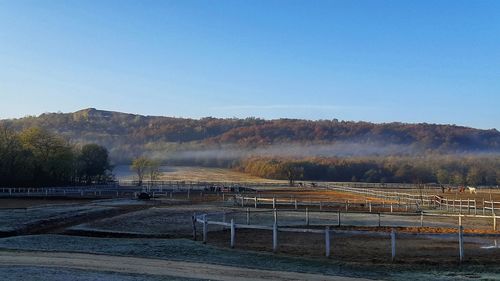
pixel 35 157
pixel 128 136
pixel 456 170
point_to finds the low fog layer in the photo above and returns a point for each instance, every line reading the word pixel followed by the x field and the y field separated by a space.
pixel 290 150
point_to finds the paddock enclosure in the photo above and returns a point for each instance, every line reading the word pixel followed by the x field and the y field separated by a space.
pixel 336 221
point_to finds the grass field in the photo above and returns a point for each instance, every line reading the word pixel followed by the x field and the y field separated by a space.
pixel 185 173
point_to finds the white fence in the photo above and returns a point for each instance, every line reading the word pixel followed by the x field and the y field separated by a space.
pixel 326 230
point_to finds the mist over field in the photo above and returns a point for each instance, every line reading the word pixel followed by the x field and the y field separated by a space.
pixel 294 150
pixel 317 150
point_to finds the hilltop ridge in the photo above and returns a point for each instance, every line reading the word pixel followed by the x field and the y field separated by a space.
pixel 127 134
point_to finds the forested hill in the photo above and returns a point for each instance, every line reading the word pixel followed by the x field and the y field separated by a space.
pixel 127 135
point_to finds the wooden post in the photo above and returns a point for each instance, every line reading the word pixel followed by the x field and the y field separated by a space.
pixel 205 229
pixel 391 207
pixel 475 207
pixel 296 206
pixel 459 220
pixel 393 244
pixel 193 220
pixel 248 216
pixel 468 206
pixel 492 207
pixel 255 199
pixel 275 213
pixel 484 208
pixel 421 219
pixel 307 216
pixel 275 238
pixel 494 222
pixel 370 206
pixel 460 243
pixel 233 233
pixel 327 241
pixel 347 205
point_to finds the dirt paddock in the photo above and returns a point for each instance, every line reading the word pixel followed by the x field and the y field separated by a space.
pixel 360 248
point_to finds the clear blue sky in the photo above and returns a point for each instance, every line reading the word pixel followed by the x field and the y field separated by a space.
pixel 410 61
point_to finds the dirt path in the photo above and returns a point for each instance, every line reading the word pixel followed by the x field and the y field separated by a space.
pixel 152 267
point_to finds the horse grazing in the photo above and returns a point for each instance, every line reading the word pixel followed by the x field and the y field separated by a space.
pixel 472 189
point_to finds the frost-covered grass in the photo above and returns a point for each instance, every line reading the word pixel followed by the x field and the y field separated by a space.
pixel 174 221
pixel 186 250
pixel 14 219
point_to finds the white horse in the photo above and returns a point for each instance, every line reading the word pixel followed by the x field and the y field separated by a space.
pixel 472 189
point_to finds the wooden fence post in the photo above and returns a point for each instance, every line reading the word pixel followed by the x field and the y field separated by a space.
pixel 233 233
pixel 255 203
pixel 193 220
pixel 307 216
pixel 421 219
pixel 275 214
pixel 205 229
pixel 275 238
pixel 347 205
pixel 494 222
pixel 391 207
pixel 296 206
pixel 459 220
pixel 393 244
pixel 327 241
pixel 460 243
pixel 370 206
pixel 248 216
